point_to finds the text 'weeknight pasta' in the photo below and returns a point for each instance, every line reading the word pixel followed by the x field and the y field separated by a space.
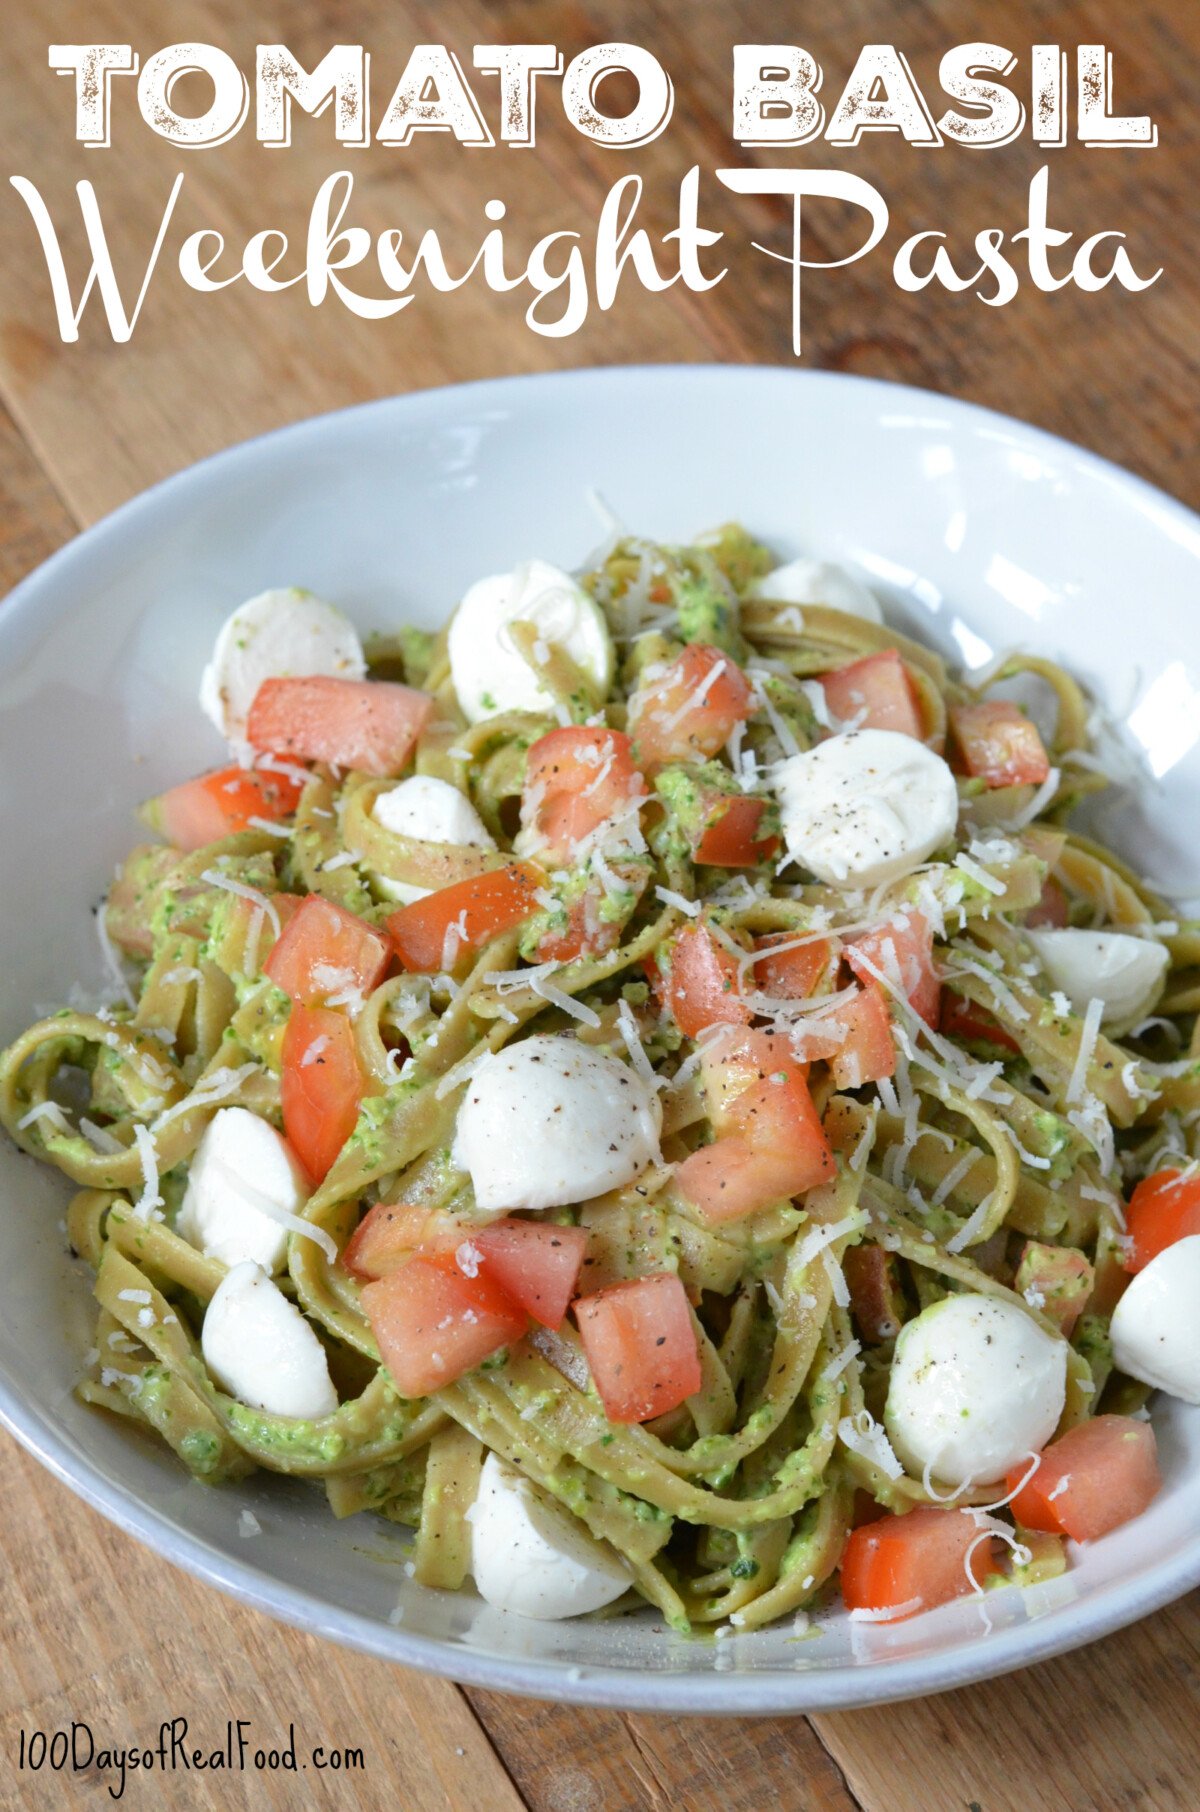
pixel 645 1088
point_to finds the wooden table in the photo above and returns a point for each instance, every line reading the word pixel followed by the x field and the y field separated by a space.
pixel 86 426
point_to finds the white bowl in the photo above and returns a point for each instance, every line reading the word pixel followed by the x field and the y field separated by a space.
pixel 982 533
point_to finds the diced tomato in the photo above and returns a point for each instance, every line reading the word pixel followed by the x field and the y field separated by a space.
pixel 690 710
pixel 868 1052
pixel 901 950
pixel 432 1323
pixel 699 983
pixel 536 1263
pixel 777 1150
pixel 876 1298
pixel 391 1232
pixel 587 932
pixel 999 744
pixel 878 686
pixel 212 806
pixel 961 1018
pixel 371 725
pixel 732 837
pixel 732 1058
pixel 575 779
pixel 1056 1279
pixel 640 1346
pixel 1097 1476
pixel 432 934
pixel 797 971
pixel 1052 910
pixel 325 950
pixel 1163 1208
pixel 321 1086
pixel 906 1564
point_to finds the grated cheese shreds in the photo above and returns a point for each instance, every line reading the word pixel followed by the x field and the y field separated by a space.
pixel 863 1435
pixel 149 1203
pixel 969 1232
pixel 215 878
pixel 837 1365
pixel 668 896
pixel 558 997
pixel 1087 1049
pixel 51 1113
pixel 215 1088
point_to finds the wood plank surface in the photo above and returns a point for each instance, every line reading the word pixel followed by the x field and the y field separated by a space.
pixel 1111 1729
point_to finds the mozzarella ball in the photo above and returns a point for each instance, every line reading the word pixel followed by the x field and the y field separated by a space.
pixel 865 807
pixel 976 1386
pixel 259 1348
pixel 240 1171
pixel 1156 1324
pixel 489 674
pixel 432 811
pixel 277 635
pixel 531 1556
pixel 1122 971
pixel 820 582
pixel 550 1121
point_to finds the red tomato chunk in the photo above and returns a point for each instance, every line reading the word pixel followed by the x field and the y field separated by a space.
pixel 326 950
pixel 576 778
pixel 433 934
pixel 906 1564
pixel 371 725
pixel 640 1346
pixel 798 970
pixel 1163 1208
pixel 535 1263
pixel 999 744
pixel 432 1323
pixel 1100 1474
pixel 213 806
pixel 875 693
pixel 902 951
pixel 776 1150
pixel 321 1086
pixel 692 709
pixel 732 835
pixel 699 983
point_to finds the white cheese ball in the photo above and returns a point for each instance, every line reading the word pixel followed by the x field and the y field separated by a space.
pixel 1111 966
pixel 240 1171
pixel 259 1348
pixel 865 807
pixel 1156 1324
pixel 277 635
pixel 489 674
pixel 550 1121
pixel 531 1556
pixel 432 811
pixel 976 1386
pixel 820 582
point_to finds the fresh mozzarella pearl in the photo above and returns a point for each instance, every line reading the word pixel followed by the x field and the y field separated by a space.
pixel 531 1556
pixel 865 807
pixel 820 582
pixel 1122 971
pixel 1156 1325
pixel 551 1121
pixel 258 1346
pixel 277 635
pixel 241 1170
pixel 976 1386
pixel 433 811
pixel 489 674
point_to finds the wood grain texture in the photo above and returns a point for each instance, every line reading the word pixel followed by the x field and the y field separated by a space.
pixel 1112 1729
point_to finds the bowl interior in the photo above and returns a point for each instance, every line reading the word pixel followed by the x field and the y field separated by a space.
pixel 979 533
